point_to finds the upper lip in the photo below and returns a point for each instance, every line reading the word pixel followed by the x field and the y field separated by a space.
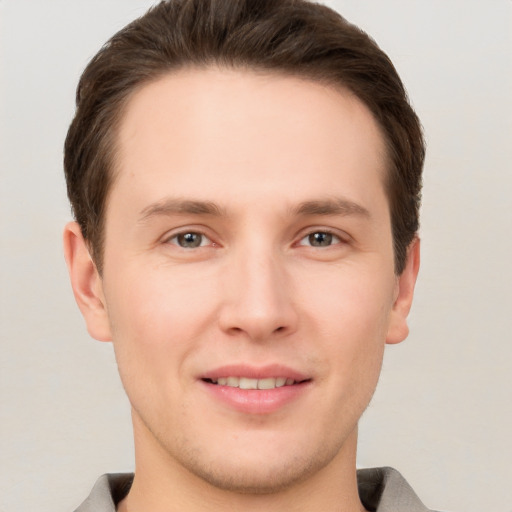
pixel 255 372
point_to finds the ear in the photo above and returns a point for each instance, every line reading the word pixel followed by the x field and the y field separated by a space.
pixel 398 329
pixel 86 283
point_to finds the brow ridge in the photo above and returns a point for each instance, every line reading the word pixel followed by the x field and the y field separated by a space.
pixel 176 206
pixel 331 206
pixel 323 207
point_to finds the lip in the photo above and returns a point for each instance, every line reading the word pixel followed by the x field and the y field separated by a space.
pixel 255 372
pixel 255 401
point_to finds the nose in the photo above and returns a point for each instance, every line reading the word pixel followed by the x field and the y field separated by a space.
pixel 258 301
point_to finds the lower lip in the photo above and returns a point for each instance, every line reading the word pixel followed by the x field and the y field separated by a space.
pixel 256 401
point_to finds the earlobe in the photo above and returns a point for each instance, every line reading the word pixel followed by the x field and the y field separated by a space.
pixel 86 283
pixel 398 328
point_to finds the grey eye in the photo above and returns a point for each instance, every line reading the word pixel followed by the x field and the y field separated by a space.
pixel 190 240
pixel 320 239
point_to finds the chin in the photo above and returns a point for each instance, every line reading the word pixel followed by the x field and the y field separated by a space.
pixel 254 478
pixel 249 470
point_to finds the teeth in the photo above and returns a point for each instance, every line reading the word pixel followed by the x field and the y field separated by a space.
pixel 247 383
pixel 280 381
pixel 269 383
pixel 232 382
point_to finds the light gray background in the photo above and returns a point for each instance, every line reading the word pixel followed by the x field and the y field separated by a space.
pixel 442 414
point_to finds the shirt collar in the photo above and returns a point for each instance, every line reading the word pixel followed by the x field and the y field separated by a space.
pixel 380 490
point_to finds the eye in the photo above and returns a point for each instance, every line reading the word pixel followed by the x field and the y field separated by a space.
pixel 320 239
pixel 190 240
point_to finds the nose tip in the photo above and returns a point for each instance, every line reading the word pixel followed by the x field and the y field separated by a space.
pixel 258 303
pixel 256 324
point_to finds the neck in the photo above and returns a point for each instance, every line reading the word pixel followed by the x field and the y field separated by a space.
pixel 162 484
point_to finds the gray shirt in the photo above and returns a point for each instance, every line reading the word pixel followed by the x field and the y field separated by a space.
pixel 380 489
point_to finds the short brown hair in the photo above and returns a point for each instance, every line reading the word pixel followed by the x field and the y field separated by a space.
pixel 290 36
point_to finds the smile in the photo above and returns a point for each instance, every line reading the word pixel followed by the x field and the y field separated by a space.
pixel 250 389
pixel 250 383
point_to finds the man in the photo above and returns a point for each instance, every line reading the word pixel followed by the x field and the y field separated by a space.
pixel 245 178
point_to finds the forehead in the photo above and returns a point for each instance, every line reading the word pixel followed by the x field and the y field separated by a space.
pixel 208 129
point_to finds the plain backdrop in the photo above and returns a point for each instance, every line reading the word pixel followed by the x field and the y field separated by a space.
pixel 442 413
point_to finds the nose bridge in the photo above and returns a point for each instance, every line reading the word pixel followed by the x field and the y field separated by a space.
pixel 259 301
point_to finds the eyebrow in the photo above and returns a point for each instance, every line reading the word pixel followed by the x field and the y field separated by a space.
pixel 175 206
pixel 331 206
pixel 172 206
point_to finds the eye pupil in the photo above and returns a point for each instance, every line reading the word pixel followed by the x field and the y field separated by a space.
pixel 189 240
pixel 320 239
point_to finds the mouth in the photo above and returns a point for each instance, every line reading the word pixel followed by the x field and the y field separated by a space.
pixel 256 390
pixel 251 383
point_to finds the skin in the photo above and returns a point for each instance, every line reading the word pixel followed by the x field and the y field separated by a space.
pixel 252 165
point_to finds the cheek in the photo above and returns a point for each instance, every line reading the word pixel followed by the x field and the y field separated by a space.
pixel 157 302
pixel 351 304
pixel 350 317
pixel 156 318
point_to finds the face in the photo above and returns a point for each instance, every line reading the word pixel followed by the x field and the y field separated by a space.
pixel 248 281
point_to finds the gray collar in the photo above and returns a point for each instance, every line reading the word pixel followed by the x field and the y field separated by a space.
pixel 386 490
pixel 380 489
